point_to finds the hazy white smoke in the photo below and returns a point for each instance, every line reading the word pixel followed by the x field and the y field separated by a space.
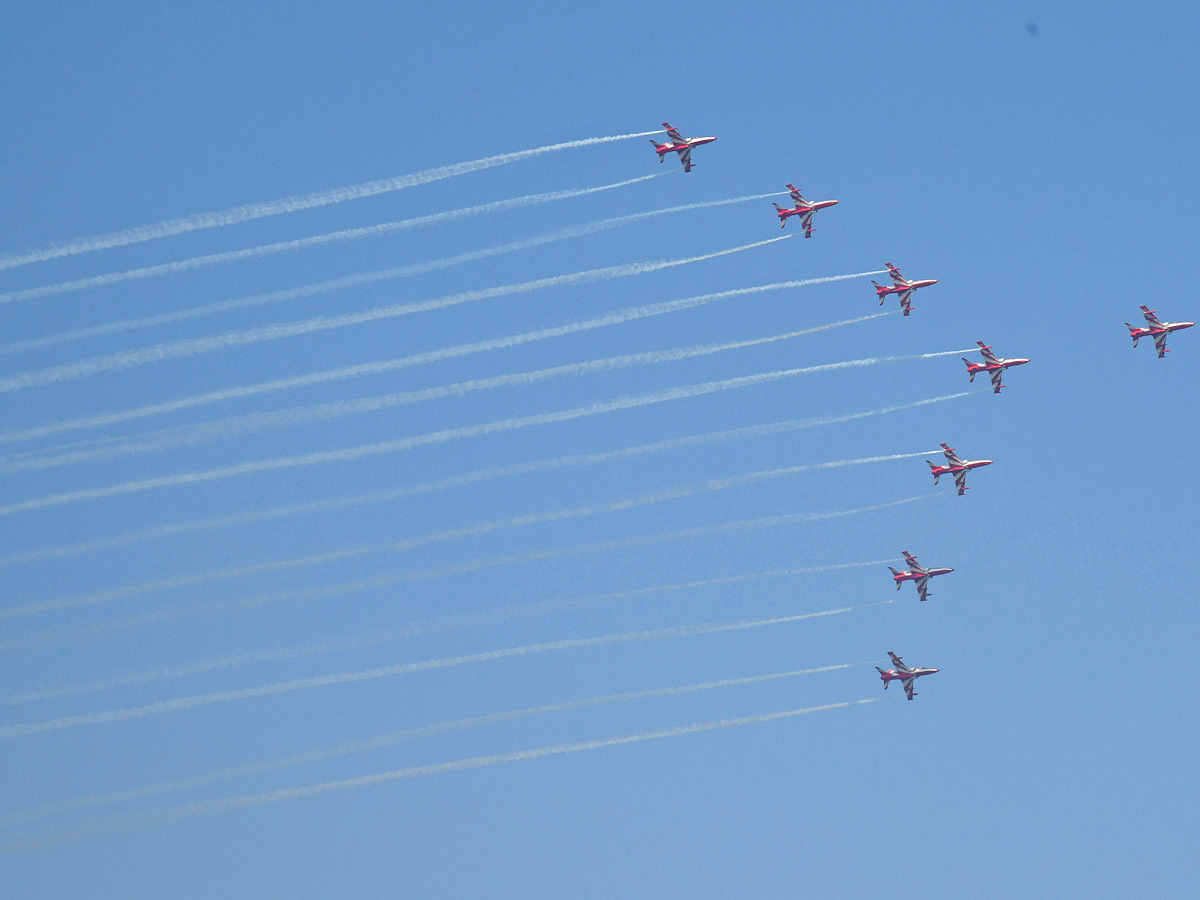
pixel 252 211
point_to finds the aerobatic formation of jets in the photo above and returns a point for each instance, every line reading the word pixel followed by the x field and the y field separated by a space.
pixel 993 365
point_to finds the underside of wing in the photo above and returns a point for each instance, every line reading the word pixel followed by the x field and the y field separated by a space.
pixel 806 221
pixel 906 300
pixel 1160 341
pixel 685 157
pixel 898 663
pixel 960 481
pixel 798 197
pixel 951 456
pixel 997 375
pixel 923 587
pixel 908 687
pixel 911 561
pixel 673 134
pixel 987 353
pixel 897 278
pixel 1151 317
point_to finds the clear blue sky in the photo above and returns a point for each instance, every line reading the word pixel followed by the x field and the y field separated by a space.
pixel 1038 159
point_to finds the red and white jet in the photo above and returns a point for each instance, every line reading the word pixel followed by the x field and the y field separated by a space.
pixel 918 574
pixel 804 209
pixel 992 364
pixel 1157 330
pixel 956 467
pixel 903 674
pixel 901 286
pixel 677 143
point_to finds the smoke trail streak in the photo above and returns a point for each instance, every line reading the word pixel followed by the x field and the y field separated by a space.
pixel 437 437
pixel 474 565
pixel 340 678
pixel 673 493
pixel 475 477
pixel 229 340
pixel 114 824
pixel 379 741
pixel 343 235
pixel 378 638
pixel 240 214
pixel 378 368
pixel 184 581
pixel 254 422
pixel 559 515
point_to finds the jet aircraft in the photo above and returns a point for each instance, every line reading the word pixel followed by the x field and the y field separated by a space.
pixel 804 209
pixel 1156 329
pixel 918 574
pixel 677 143
pixel 992 364
pixel 903 674
pixel 956 467
pixel 901 286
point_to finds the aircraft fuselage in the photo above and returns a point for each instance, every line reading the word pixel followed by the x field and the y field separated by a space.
pixel 901 577
pixel 664 149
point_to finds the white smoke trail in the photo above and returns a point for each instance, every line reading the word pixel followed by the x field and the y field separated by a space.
pixel 190 435
pixel 378 638
pixel 340 678
pixel 115 824
pixel 474 477
pixel 279 331
pixel 580 512
pixel 240 214
pixel 450 434
pixel 348 234
pixel 378 368
pixel 474 565
pixel 379 741
pixel 125 593
pixel 672 493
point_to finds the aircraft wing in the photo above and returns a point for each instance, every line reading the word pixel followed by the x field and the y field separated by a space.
pixel 685 157
pixel 1160 342
pixel 906 300
pixel 908 687
pixel 806 221
pixel 673 134
pixel 951 456
pixel 899 664
pixel 923 587
pixel 996 374
pixel 1151 317
pixel 960 480
pixel 897 279
pixel 911 561
pixel 987 352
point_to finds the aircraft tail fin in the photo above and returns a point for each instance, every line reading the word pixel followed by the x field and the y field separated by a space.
pixel 969 369
pixel 1132 333
pixel 880 291
pixel 897 574
pixel 933 471
pixel 883 676
pixel 777 206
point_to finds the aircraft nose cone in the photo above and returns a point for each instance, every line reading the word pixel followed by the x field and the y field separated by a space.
pixel 985 462
pixel 1186 324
